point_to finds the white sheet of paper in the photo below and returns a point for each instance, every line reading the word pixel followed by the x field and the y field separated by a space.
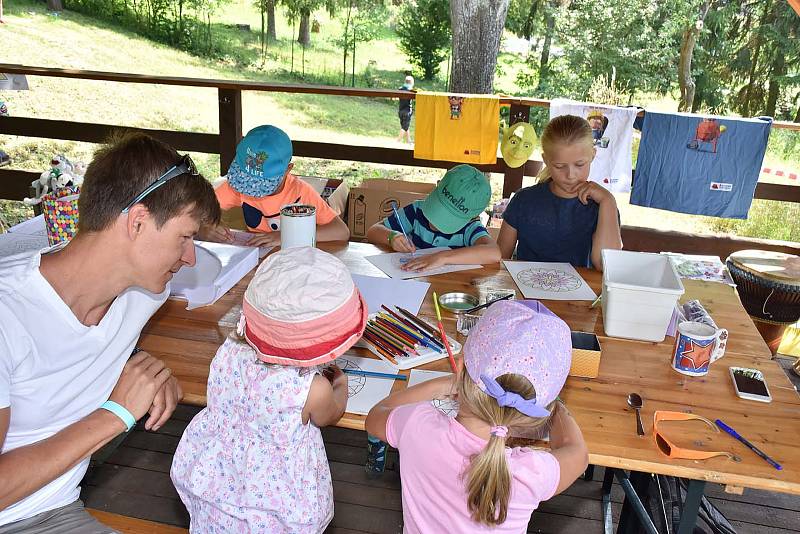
pixel 219 267
pixel 390 263
pixel 391 292
pixel 240 238
pixel 364 392
pixel 34 226
pixel 549 281
pixel 418 376
pixel 11 244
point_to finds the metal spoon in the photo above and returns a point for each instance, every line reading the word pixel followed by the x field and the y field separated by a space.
pixel 636 402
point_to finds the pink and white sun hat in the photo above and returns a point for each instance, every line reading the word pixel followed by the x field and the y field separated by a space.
pixel 525 338
pixel 302 308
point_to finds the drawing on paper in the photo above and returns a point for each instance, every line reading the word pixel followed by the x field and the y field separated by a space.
pixel 448 406
pixel 355 383
pixel 554 280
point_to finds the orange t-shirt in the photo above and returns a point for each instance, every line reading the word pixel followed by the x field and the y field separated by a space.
pixel 294 191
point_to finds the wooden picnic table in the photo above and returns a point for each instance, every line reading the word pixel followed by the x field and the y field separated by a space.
pixel 188 340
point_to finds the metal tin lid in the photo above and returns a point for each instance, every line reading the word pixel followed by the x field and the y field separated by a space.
pixel 775 266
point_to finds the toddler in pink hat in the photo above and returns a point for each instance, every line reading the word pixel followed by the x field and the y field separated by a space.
pixel 253 460
pixel 459 474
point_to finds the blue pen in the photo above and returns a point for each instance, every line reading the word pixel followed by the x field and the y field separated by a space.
pixel 373 374
pixel 402 229
pixel 749 445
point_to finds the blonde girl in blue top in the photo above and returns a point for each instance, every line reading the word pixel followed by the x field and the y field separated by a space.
pixel 564 217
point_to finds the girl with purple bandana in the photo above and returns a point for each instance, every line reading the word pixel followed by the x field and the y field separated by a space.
pixel 460 474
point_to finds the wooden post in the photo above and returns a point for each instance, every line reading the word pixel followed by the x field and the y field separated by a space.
pixel 513 177
pixel 230 126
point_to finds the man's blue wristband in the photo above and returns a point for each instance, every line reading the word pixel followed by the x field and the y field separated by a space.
pixel 121 412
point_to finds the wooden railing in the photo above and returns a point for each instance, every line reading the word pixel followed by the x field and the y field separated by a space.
pixel 15 183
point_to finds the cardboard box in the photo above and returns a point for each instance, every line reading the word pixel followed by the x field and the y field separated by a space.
pixel 586 354
pixel 372 202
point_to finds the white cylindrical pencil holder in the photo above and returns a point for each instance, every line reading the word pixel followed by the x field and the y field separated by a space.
pixel 298 226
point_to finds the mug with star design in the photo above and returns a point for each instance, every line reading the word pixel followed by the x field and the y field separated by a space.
pixel 697 346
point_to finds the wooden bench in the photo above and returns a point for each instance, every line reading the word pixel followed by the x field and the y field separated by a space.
pixel 131 525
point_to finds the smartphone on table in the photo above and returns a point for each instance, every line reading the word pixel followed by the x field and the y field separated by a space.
pixel 750 384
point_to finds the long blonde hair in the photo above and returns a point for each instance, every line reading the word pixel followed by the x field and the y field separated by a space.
pixel 488 479
pixel 565 129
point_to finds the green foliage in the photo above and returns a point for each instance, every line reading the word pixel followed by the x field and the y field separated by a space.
pixel 184 24
pixel 424 32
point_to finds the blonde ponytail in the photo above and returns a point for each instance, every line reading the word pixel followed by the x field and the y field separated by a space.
pixel 564 129
pixel 488 478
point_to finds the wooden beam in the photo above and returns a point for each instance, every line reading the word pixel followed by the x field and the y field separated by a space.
pixel 230 126
pixel 16 184
pixel 99 133
pixel 781 192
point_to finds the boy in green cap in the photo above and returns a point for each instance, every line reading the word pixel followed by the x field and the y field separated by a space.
pixel 448 217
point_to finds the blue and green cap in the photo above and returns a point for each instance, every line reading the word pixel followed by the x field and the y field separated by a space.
pixel 262 157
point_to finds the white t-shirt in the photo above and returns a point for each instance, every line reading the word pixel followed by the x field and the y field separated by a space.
pixel 54 370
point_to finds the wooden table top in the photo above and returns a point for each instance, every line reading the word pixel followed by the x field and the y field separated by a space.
pixel 188 340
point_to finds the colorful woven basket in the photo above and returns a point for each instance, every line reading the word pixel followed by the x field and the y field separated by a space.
pixel 60 210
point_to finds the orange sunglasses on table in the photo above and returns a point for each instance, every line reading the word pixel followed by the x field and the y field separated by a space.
pixel 671 450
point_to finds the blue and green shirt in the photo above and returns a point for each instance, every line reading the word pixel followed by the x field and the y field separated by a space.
pixel 423 236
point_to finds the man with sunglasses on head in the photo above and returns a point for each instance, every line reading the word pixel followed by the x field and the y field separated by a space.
pixel 260 182
pixel 70 317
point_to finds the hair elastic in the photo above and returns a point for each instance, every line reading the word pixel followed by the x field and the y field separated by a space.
pixel 500 431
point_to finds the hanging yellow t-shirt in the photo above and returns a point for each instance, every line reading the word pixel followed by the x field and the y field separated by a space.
pixel 456 127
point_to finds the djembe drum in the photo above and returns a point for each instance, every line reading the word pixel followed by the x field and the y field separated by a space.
pixel 769 288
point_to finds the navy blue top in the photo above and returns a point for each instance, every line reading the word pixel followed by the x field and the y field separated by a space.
pixel 414 222
pixel 551 228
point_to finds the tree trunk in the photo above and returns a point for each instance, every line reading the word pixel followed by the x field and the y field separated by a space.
pixel 544 60
pixel 688 41
pixel 778 69
pixel 346 42
pixel 304 34
pixel 477 25
pixel 263 36
pixel 527 28
pixel 271 35
pixel 748 92
pixel 54 5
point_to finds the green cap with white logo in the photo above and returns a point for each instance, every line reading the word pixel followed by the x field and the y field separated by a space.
pixel 461 195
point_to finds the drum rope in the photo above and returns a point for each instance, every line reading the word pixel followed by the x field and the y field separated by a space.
pixel 764 307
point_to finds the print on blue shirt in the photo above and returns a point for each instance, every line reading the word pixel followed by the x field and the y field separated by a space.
pixel 423 236
pixel 551 228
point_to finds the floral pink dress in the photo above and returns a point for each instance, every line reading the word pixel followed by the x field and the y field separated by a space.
pixel 247 463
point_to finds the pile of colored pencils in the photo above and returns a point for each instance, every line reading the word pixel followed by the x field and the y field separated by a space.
pixel 400 333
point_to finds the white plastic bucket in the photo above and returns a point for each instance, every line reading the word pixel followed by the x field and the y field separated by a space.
pixel 640 291
pixel 298 226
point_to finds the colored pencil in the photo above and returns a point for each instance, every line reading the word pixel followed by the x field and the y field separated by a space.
pixel 419 322
pixel 399 332
pixel 389 339
pixel 419 338
pixel 403 344
pixel 487 304
pixel 377 345
pixel 402 228
pixel 374 374
pixel 444 336
pixel 749 445
pixel 397 347
pixel 428 341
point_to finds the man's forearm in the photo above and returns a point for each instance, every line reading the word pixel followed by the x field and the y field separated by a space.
pixel 27 469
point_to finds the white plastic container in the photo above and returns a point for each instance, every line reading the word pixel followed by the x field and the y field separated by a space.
pixel 298 226
pixel 640 291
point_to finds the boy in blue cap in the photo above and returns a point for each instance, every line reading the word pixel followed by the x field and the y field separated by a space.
pixel 448 217
pixel 260 181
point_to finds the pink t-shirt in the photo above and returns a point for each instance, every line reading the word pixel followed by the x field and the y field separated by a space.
pixel 435 451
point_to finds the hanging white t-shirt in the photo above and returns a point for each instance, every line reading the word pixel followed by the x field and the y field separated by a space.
pixel 612 165
pixel 54 370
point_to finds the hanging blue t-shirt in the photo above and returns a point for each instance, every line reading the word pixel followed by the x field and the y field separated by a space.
pixel 699 165
pixel 420 231
pixel 551 228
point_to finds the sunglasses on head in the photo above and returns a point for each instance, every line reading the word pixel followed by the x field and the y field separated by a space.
pixel 184 166
pixel 671 450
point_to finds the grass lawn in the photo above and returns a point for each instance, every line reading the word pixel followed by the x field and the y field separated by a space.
pixel 72 40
